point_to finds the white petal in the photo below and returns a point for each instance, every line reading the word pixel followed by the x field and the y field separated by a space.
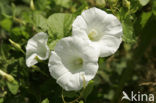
pixel 62 63
pixel 37 46
pixel 90 70
pixel 108 45
pixel 93 16
pixel 79 23
pixel 70 82
pixel 71 47
pixel 112 26
pixel 56 68
pixel 106 29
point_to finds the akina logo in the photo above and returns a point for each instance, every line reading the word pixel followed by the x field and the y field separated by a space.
pixel 138 97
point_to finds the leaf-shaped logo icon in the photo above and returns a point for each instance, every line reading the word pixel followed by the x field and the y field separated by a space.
pixel 125 96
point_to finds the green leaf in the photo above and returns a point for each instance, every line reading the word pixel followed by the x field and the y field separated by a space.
pixel 145 17
pixel 135 5
pixel 60 24
pixel 40 21
pixel 19 32
pixel 88 89
pixel 154 7
pixel 70 94
pixel 45 101
pixel 6 24
pixel 128 35
pixel 109 95
pixel 63 3
pixel 5 8
pixel 101 3
pixel 13 86
pixel 52 44
pixel 126 3
pixel 43 4
pixel 1 100
pixel 81 101
pixel 144 2
pixel 104 75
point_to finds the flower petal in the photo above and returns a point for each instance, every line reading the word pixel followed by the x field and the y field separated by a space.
pixel 108 45
pixel 62 63
pixel 37 47
pixel 79 23
pixel 112 26
pixel 71 47
pixel 103 31
pixel 70 82
pixel 56 67
pixel 93 16
pixel 90 70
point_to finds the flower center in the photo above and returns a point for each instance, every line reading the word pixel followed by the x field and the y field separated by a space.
pixel 93 35
pixel 76 64
pixel 78 61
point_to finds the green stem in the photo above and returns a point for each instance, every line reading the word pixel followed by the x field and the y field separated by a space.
pixel 36 68
pixel 74 101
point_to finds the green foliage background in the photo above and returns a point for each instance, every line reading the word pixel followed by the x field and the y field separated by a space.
pixel 132 68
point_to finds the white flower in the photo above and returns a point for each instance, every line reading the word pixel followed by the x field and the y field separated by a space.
pixel 73 62
pixel 102 30
pixel 37 48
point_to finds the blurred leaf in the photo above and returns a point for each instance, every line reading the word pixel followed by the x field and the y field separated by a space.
pixel 88 89
pixel 144 2
pixel 112 2
pixel 63 3
pixel 101 3
pixel 52 44
pixel 128 34
pixel 18 32
pixel 40 21
pixel 104 75
pixel 43 4
pixel 26 1
pixel 144 18
pixel 109 95
pixel 13 86
pixel 1 100
pixel 45 101
pixel 154 7
pixel 81 101
pixel 126 3
pixel 5 8
pixel 70 94
pixel 60 24
pixel 26 16
pixel 18 10
pixel 135 5
pixel 6 24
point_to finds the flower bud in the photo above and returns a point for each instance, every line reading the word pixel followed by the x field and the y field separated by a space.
pixel 126 3
pixel 113 2
pixel 16 45
pixel 32 5
pixel 6 76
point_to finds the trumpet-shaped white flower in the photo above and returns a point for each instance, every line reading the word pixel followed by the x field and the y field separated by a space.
pixel 72 63
pixel 102 30
pixel 37 48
